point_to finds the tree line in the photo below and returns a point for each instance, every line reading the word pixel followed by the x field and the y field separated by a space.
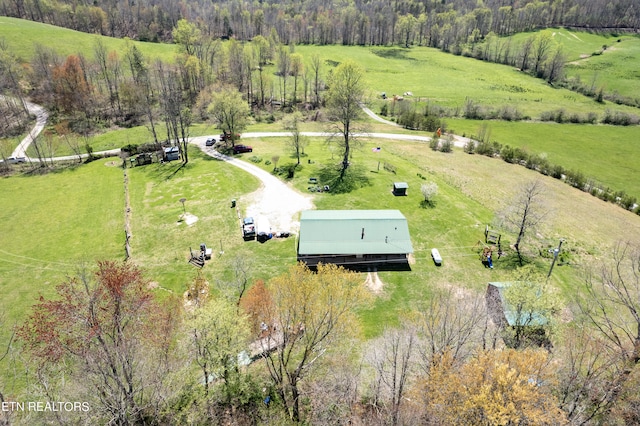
pixel 379 22
pixel 289 351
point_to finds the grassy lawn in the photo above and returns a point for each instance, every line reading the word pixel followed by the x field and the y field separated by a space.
pixel 52 224
pixel 471 189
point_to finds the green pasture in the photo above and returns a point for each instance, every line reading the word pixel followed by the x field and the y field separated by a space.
pixel 446 80
pixel 22 36
pixel 616 70
pixel 607 61
pixel 576 44
pixel 606 154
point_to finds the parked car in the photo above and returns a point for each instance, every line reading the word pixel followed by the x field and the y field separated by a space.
pixel 226 136
pixel 210 142
pixel 248 228
pixel 237 149
pixel 16 160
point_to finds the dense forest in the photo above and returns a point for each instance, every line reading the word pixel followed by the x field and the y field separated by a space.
pixel 437 23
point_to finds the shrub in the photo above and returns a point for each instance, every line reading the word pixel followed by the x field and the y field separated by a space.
pixel 557 171
pixel 446 145
pixel 434 142
pixel 470 146
pixel 507 154
pixel 429 190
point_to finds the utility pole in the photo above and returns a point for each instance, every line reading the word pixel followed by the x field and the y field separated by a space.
pixel 555 252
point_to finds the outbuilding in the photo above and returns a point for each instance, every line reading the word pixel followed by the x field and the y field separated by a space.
pixel 400 188
pixel 171 153
pixel 354 238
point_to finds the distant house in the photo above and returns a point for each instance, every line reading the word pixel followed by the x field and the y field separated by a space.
pixel 171 153
pixel 400 188
pixel 354 238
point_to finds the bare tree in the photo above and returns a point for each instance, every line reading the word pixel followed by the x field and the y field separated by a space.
pixel 175 110
pixel 284 69
pixel 316 68
pixel 525 52
pixel 453 323
pixel 541 48
pixel 346 93
pixel 296 142
pixel 525 213
pixel 392 359
pixel 586 372
pixel 238 284
pixel 611 306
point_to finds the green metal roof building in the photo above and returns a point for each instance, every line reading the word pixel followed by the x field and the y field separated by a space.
pixel 354 237
pixel 504 314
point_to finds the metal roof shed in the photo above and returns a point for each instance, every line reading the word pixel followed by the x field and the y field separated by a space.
pixel 400 188
pixel 504 314
pixel 352 237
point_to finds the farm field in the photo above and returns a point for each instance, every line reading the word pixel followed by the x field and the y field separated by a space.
pixel 52 225
pixel 22 37
pixel 602 153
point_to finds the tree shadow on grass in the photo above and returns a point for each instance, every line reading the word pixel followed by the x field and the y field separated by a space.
pixel 354 177
pixel 167 170
pixel 428 204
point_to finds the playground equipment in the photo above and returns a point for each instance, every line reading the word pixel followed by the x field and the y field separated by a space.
pixel 491 243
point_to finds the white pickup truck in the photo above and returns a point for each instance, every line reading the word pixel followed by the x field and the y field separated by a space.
pixel 248 228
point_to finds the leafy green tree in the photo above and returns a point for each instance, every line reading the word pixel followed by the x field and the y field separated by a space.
pixel 218 335
pixel 533 305
pixel 229 111
pixel 345 94
pixel 187 35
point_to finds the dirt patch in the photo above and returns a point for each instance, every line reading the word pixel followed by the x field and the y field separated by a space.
pixel 374 283
pixel 188 218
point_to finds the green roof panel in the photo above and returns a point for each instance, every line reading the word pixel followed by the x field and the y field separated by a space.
pixel 353 232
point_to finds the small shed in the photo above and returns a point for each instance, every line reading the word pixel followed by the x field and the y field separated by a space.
pixel 171 153
pixel 400 188
pixel 503 314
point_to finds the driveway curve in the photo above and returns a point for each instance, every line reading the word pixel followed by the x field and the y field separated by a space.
pixel 41 120
pixel 275 201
